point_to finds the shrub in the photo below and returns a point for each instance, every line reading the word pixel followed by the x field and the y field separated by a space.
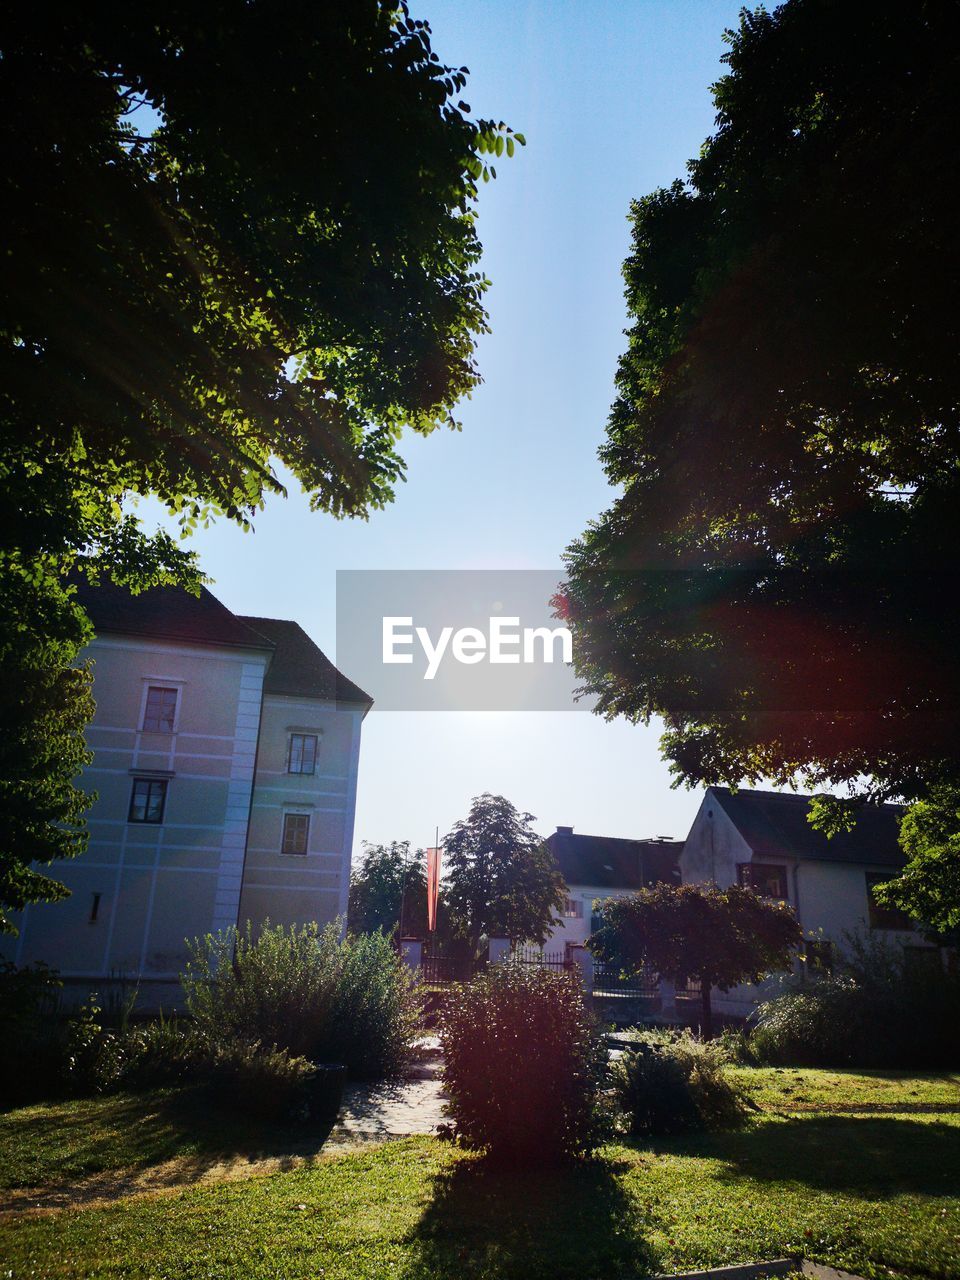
pixel 673 1082
pixel 522 1066
pixel 94 1058
pixel 306 991
pixel 267 1083
pixel 875 1011
pixel 376 1010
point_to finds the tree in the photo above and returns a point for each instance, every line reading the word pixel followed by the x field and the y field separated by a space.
pixel 928 889
pixel 720 937
pixel 388 890
pixel 775 577
pixel 245 238
pixel 502 880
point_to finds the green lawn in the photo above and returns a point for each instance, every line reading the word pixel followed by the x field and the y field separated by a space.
pixel 876 1194
pixel 59 1142
pixel 804 1089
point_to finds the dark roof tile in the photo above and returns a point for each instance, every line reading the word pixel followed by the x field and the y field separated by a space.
pixel 774 824
pixel 165 613
pixel 613 863
pixel 299 668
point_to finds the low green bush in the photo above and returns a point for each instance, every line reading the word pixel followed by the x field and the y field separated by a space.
pixel 307 991
pixel 877 1010
pixel 522 1066
pixel 266 1083
pixel 672 1081
pixel 94 1058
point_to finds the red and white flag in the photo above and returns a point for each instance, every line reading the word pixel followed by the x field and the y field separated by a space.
pixel 433 887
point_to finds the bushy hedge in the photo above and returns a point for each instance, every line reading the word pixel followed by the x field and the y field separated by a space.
pixel 306 991
pixel 266 1082
pixel 671 1082
pixel 877 1010
pixel 522 1066
pixel 274 1022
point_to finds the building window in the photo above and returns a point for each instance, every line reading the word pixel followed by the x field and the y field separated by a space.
pixel 296 829
pixel 765 878
pixel 573 909
pixel 302 757
pixel 95 908
pixel 147 800
pixel 884 917
pixel 160 709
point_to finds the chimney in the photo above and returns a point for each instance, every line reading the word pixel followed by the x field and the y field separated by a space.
pixel 564 831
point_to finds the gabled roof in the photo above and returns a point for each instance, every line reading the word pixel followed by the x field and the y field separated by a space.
pixel 612 863
pixel 299 668
pixel 774 824
pixel 165 613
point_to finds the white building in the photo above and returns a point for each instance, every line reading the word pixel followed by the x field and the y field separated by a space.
pixel 225 755
pixel 597 868
pixel 763 839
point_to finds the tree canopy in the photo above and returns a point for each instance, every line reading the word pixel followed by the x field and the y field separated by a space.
pixel 928 889
pixel 501 880
pixel 241 235
pixel 776 576
pixel 720 937
pixel 388 890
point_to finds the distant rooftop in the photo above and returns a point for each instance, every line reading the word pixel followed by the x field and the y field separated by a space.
pixel 774 824
pixel 298 667
pixel 609 862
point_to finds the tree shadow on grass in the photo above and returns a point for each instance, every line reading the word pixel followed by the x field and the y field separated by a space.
pixel 877 1156
pixel 554 1224
pixel 180 1133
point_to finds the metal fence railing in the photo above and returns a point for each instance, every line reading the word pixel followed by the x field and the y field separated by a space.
pixel 442 971
pixel 610 981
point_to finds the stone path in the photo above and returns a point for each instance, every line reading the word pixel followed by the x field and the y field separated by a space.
pixel 378 1112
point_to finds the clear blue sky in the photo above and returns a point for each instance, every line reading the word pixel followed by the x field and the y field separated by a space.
pixel 613 99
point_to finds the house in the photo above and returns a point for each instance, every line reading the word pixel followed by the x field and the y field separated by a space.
pixel 225 755
pixel 600 867
pixel 763 839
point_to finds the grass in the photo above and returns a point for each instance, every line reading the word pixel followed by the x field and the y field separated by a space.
pixel 60 1142
pixel 806 1089
pixel 877 1194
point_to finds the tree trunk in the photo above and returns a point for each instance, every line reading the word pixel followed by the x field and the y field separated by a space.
pixel 706 1008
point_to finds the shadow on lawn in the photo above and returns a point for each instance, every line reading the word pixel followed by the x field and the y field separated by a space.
pixel 529 1224
pixel 176 1136
pixel 877 1157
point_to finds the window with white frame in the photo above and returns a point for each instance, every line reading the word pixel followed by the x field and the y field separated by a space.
pixel 302 753
pixel 160 709
pixel 573 909
pixel 296 832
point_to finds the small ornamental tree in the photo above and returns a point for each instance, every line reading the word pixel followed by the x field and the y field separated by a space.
pixel 522 1066
pixel 720 937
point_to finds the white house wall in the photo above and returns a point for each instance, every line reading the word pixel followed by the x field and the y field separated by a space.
pixel 574 930
pixel 157 884
pixel 296 888
pixel 713 848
